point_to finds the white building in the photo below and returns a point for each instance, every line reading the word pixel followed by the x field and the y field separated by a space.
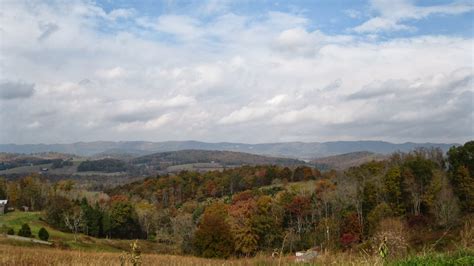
pixel 3 205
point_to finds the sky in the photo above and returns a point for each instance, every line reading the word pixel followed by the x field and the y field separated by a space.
pixel 236 71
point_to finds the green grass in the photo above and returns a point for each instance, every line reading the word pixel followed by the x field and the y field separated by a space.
pixel 85 243
pixel 456 258
pixel 16 219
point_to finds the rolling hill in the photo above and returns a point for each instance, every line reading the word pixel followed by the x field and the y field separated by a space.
pixel 344 161
pixel 302 150
pixel 204 156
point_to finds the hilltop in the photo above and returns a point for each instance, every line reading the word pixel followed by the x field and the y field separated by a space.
pixel 301 150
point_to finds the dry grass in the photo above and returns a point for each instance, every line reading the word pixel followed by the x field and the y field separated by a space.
pixel 21 255
pixel 14 255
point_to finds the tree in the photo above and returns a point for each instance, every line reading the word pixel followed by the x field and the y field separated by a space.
pixel 32 193
pixel 55 211
pixel 446 207
pixel 463 184
pixel 379 213
pixel 146 215
pixel 74 220
pixel 393 189
pixel 369 198
pixel 245 239
pixel 351 230
pixel 417 175
pixel 241 212
pixel 92 219
pixel 213 237
pixel 25 231
pixel 13 193
pixel 3 188
pixel 43 234
pixel 302 173
pixel 285 174
pixel 266 223
pixel 124 220
pixel 183 229
pixel 299 208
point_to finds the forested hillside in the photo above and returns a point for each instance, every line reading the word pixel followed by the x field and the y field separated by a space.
pixel 414 200
pixel 222 157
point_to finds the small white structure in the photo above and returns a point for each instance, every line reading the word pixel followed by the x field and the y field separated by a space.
pixel 3 204
pixel 306 256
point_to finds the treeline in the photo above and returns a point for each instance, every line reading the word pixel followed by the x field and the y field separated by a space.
pixel 24 162
pixel 206 156
pixel 60 163
pixel 103 165
pixel 410 199
pixel 28 161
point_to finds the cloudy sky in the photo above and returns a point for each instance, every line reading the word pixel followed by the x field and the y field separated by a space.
pixel 243 71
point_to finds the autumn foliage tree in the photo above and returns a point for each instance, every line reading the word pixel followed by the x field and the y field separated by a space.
pixel 213 237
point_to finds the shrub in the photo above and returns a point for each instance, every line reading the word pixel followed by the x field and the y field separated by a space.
pixel 4 229
pixel 133 256
pixel 394 231
pixel 43 234
pixel 25 231
pixel 10 231
pixel 467 233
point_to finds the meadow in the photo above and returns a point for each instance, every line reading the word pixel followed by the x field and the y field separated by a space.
pixel 18 255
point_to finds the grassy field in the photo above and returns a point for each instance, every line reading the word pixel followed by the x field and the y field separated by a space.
pixel 65 170
pixel 14 255
pixel 66 240
pixel 455 258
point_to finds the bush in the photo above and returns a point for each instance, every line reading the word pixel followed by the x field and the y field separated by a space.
pixel 43 234
pixel 394 231
pixel 25 231
pixel 6 230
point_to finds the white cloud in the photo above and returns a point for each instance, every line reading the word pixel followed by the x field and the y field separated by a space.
pixel 392 14
pixel 112 73
pixel 379 24
pixel 180 26
pixel 120 13
pixel 352 13
pixel 228 77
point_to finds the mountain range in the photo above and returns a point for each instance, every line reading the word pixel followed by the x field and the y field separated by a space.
pixel 300 150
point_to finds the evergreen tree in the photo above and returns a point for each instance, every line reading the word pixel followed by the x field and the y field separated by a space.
pixel 43 234
pixel 25 231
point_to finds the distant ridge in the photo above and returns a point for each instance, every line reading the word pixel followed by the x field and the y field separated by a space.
pixel 206 156
pixel 346 160
pixel 302 150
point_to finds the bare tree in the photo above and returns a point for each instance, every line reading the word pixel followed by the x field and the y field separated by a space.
pixel 74 220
